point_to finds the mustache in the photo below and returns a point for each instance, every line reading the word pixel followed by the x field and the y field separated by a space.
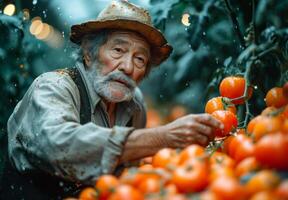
pixel 121 77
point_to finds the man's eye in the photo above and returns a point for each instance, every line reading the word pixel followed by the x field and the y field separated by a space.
pixel 118 50
pixel 140 59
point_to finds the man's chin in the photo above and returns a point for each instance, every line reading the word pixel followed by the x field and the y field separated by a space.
pixel 117 96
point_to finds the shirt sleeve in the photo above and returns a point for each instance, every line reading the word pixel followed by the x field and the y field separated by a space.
pixel 45 133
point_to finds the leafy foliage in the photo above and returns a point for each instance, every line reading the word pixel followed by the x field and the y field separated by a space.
pixel 223 38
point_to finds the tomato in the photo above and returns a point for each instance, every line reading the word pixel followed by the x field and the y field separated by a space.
pixel 177 112
pixel 227 188
pixel 208 195
pixel 271 150
pixel 261 181
pixel 165 158
pixel 150 185
pixel 221 159
pixel 220 171
pixel 217 103
pixel 135 176
pixel 265 125
pixel 285 90
pixel 191 177
pixel 126 192
pixel 245 149
pixel 253 122
pixel 281 192
pixel 88 193
pixel 234 144
pixel 233 87
pixel 190 152
pixel 229 121
pixel 246 166
pixel 275 97
pixel 263 195
pixel 105 184
pixel 153 118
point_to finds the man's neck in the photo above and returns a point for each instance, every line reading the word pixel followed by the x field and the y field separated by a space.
pixel 110 108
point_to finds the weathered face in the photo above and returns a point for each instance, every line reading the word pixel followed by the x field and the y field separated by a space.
pixel 122 62
pixel 126 52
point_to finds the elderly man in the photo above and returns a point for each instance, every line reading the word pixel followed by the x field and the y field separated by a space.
pixel 74 125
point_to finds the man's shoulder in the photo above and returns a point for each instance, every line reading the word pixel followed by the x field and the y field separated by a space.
pixel 57 75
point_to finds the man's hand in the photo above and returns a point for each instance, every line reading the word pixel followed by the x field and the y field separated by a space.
pixel 180 133
pixel 193 128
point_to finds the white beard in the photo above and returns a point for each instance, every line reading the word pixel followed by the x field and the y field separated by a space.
pixel 109 89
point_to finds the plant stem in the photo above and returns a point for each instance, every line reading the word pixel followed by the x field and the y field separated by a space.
pixel 235 24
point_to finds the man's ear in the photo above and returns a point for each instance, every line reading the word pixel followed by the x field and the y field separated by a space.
pixel 87 55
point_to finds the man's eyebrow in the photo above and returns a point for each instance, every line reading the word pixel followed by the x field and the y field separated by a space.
pixel 119 41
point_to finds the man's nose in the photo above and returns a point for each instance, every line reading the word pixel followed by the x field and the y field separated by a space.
pixel 126 65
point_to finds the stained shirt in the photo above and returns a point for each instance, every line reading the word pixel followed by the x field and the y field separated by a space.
pixel 44 130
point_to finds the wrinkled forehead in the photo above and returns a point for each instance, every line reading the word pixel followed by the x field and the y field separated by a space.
pixel 129 38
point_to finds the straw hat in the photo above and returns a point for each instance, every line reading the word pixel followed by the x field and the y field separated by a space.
pixel 126 16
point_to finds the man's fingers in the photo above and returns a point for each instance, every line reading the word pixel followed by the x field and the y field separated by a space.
pixel 209 120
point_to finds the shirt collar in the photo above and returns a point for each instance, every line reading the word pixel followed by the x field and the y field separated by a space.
pixel 94 98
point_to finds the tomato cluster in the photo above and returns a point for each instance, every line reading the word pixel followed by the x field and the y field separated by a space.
pixel 242 163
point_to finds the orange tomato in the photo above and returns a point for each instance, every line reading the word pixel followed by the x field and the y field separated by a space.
pixel 150 185
pixel 281 192
pixel 191 177
pixel 219 171
pixel 221 159
pixel 265 125
pixel 233 87
pixel 262 181
pixel 105 184
pixel 165 158
pixel 177 112
pixel 135 176
pixel 190 152
pixel 246 166
pixel 271 150
pixel 229 121
pixel 234 144
pixel 88 193
pixel 217 103
pixel 253 122
pixel 275 97
pixel 153 118
pixel 263 195
pixel 227 188
pixel 245 149
pixel 126 192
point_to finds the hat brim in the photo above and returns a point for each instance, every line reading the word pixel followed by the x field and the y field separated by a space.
pixel 159 46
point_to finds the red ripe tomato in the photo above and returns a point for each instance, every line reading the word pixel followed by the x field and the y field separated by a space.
pixel 88 193
pixel 234 87
pixel 227 188
pixel 229 120
pixel 165 158
pixel 275 97
pixel 126 192
pixel 285 90
pixel 245 149
pixel 271 150
pixel 217 103
pixel 106 184
pixel 192 176
pixel 190 152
